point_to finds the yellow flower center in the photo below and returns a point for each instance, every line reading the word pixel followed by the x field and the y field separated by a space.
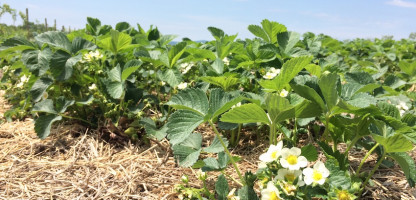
pixel 292 160
pixel 343 195
pixel 290 177
pixel 274 155
pixel 289 189
pixel 316 175
pixel 273 196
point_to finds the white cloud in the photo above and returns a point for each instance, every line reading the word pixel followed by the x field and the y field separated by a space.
pixel 401 3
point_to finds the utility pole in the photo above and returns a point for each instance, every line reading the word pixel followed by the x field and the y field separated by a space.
pixel 27 23
pixel 46 24
pixel 54 25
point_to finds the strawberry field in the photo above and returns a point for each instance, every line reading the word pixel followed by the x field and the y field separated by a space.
pixel 318 118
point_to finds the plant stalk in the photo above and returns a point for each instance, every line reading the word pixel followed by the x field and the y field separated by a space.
pixel 365 158
pixel 372 173
pixel 227 151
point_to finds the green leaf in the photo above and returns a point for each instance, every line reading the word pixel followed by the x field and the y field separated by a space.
pixel 279 108
pixel 171 76
pixel 216 146
pixel 210 164
pixel 187 152
pixel 389 109
pixel 218 66
pixel 128 71
pixel 307 109
pixel 221 187
pixel 309 152
pixel 115 74
pixel 43 124
pixel 362 78
pixel 216 32
pixel 181 124
pixel 395 143
pixel 39 87
pixel 259 32
pixel 408 68
pixel 224 82
pixel 310 94
pixel 393 81
pixel 289 70
pixel 56 39
pixel 407 164
pixel 339 179
pixel 151 129
pixel 190 99
pixel 116 42
pixel 79 44
pixel 175 53
pixel 61 65
pixel 247 113
pixel 115 89
pixel 247 193
pixel 45 106
pixel 328 85
pixel 314 69
pixel 62 104
pixel 272 29
pixel 287 40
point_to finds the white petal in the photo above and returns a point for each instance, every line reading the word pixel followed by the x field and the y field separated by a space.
pixel 321 182
pixel 308 172
pixel 284 163
pixel 285 153
pixel 279 145
pixel 281 174
pixel 302 161
pixel 294 167
pixel 308 180
pixel 296 151
pixel 265 157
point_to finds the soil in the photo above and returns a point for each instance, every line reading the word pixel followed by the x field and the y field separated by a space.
pixel 77 163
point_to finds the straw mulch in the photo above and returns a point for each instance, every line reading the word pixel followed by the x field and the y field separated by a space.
pixel 75 163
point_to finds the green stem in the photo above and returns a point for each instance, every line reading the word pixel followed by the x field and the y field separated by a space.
pixel 353 141
pixel 272 134
pixel 372 172
pixel 238 134
pixel 232 178
pixel 227 151
pixel 365 158
pixel 232 139
pixel 76 118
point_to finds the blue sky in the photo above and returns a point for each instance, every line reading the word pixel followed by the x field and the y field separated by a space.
pixel 344 19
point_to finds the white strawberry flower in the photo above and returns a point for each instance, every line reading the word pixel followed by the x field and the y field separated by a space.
pixel 270 193
pixel 162 83
pixel 290 176
pixel 269 75
pixel 274 71
pixel 226 61
pixel 318 174
pixel 288 188
pixel 5 68
pixel 402 107
pixel 92 87
pixel 236 105
pixel 23 80
pixel 283 93
pixel 96 54
pixel 273 153
pixel 182 85
pixel 292 160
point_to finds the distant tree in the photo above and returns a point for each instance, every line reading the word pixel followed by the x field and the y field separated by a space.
pixel 412 36
pixel 5 8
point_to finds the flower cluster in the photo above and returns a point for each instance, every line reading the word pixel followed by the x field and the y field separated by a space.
pixel 24 79
pixel 273 72
pixel 92 55
pixel 185 67
pixel 182 86
pixel 292 172
pixel 402 107
pixel 226 61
